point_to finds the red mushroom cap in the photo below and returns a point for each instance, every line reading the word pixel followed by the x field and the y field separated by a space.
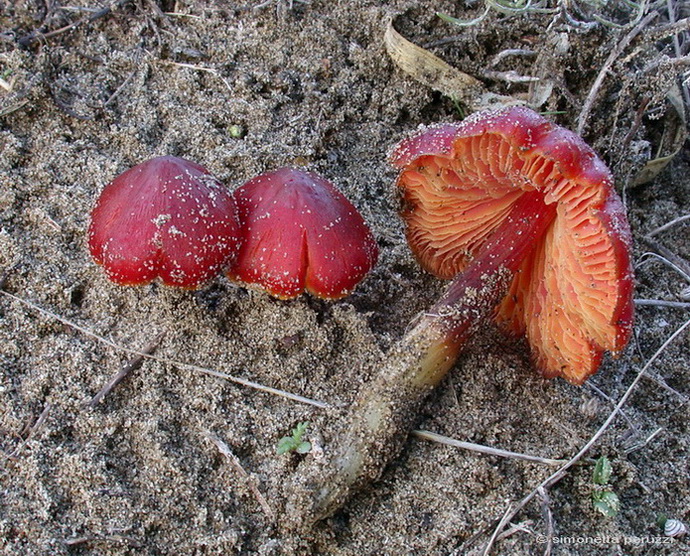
pixel 573 296
pixel 301 233
pixel 168 218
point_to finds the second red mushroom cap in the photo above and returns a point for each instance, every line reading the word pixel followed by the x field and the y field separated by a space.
pixel 301 233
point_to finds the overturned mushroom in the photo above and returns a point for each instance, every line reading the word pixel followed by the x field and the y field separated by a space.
pixel 166 218
pixel 523 215
pixel 463 184
pixel 301 234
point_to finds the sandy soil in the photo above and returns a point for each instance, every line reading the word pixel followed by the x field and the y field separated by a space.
pixel 310 85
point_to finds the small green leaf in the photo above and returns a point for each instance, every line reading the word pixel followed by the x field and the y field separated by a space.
pixel 294 443
pixel 236 131
pixel 607 503
pixel 299 430
pixel 303 448
pixel 285 445
pixel 602 471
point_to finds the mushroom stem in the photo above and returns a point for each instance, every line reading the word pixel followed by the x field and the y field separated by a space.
pixel 385 410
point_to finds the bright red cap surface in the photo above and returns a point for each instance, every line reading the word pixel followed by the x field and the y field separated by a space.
pixel 573 296
pixel 166 218
pixel 301 234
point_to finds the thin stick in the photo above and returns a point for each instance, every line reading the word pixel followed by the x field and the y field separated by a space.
pixel 247 383
pixel 615 53
pixel 120 88
pixel 133 365
pixel 178 364
pixel 507 515
pixel 13 108
pixel 548 518
pixel 668 30
pixel 560 473
pixel 206 70
pixel 34 36
pixel 680 264
pixel 32 431
pixel 668 225
pixel 224 449
pixel 645 442
pixel 659 381
pixel 433 437
pixel 661 303
pixel 77 541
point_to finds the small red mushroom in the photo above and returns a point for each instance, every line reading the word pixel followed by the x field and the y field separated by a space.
pixel 301 234
pixel 522 215
pixel 166 218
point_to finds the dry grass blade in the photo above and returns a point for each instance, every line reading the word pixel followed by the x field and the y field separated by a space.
pixel 142 355
pixel 603 72
pixel 247 383
pixel 547 515
pixel 125 371
pixel 644 443
pixel 210 71
pixel 433 437
pixel 669 225
pixel 224 449
pixel 430 70
pixel 120 88
pixel 668 30
pixel 668 257
pixel 32 431
pixel 661 303
pixel 13 108
pixel 560 473
pixel 511 510
pixel 106 539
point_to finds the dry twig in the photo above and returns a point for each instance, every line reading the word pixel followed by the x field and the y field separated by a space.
pixel 669 225
pixel 133 365
pixel 661 303
pixel 548 518
pixel 116 539
pixel 561 472
pixel 120 88
pixel 36 36
pixel 267 389
pixel 31 432
pixel 668 256
pixel 224 449
pixel 603 72
pixel 433 437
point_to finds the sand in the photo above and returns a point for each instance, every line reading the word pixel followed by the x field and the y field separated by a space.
pixel 309 85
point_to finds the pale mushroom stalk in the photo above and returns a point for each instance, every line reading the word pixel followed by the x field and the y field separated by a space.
pixel 384 413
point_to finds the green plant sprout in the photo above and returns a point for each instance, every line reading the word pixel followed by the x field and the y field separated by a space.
pixel 604 499
pixel 236 131
pixel 294 443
